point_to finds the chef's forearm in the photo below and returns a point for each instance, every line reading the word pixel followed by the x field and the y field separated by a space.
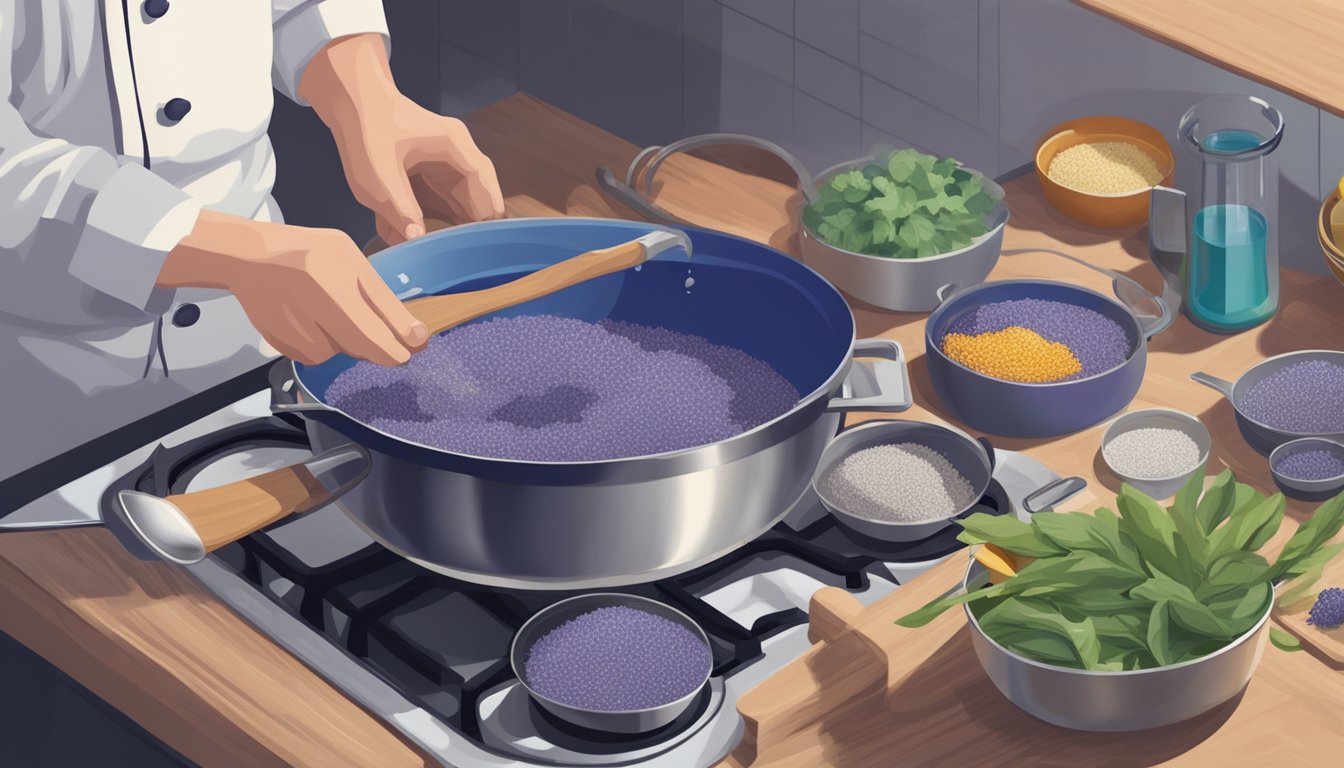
pixel 347 79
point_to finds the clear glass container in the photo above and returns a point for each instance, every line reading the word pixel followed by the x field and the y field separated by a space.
pixel 1231 269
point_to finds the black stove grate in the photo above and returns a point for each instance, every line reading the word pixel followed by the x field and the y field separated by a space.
pixel 444 643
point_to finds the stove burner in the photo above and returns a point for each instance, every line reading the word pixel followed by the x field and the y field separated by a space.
pixel 444 644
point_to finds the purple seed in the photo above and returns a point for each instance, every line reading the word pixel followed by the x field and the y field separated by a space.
pixel 617 658
pixel 1314 464
pixel 546 388
pixel 1305 397
pixel 1098 342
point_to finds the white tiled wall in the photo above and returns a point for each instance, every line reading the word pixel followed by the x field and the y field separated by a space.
pixel 829 79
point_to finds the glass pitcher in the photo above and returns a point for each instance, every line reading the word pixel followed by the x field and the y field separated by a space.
pixel 1220 257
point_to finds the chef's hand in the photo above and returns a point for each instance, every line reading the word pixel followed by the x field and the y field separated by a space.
pixel 392 149
pixel 310 292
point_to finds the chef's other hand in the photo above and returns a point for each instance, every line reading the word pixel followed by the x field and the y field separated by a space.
pixel 392 149
pixel 310 292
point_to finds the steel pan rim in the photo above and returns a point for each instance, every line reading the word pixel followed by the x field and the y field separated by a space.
pixel 603 599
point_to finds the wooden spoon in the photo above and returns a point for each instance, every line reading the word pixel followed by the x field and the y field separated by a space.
pixel 440 313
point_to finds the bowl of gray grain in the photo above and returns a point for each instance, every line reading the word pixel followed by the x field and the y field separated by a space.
pixel 1156 450
pixel 898 481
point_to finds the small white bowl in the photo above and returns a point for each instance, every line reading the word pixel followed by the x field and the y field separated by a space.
pixel 1161 487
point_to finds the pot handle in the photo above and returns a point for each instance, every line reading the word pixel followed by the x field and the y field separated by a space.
pixel 1053 493
pixel 1153 312
pixel 286 393
pixel 183 527
pixel 650 158
pixel 1213 382
pixel 944 292
pixel 887 379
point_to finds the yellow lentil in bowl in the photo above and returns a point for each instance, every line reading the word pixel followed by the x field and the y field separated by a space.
pixel 1013 354
pixel 1105 167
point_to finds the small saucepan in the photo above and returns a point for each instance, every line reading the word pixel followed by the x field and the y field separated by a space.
pixel 1259 435
pixel 972 458
pixel 625 721
pixel 1018 409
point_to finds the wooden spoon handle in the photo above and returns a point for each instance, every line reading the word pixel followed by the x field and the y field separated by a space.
pixel 440 313
pixel 184 527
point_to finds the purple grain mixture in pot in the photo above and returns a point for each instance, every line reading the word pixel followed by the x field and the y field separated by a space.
pixel 547 388
pixel 1306 397
pixel 617 658
pixel 1097 341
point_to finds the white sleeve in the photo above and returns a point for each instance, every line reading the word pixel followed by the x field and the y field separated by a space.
pixel 304 27
pixel 77 210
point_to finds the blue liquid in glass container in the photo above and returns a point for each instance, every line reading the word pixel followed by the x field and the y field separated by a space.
pixel 1230 141
pixel 1228 283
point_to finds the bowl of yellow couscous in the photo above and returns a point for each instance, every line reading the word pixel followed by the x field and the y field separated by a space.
pixel 1100 170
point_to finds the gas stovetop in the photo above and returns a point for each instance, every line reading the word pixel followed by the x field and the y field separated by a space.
pixel 429 654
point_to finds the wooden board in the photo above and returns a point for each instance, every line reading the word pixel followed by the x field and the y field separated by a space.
pixel 1327 643
pixel 1290 45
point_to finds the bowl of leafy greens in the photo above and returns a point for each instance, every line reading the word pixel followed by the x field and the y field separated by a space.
pixel 894 228
pixel 1138 617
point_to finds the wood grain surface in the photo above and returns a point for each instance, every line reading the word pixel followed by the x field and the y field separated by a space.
pixel 1290 45
pixel 148 639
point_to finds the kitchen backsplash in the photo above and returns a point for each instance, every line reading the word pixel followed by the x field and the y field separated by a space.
pixel 828 79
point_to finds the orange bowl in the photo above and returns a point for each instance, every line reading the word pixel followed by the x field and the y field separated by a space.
pixel 1105 211
pixel 1334 254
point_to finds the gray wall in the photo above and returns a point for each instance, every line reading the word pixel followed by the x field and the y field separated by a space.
pixel 828 79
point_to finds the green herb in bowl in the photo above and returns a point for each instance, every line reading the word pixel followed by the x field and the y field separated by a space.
pixel 1144 586
pixel 905 205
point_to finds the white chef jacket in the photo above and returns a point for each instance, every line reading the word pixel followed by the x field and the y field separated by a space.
pixel 122 119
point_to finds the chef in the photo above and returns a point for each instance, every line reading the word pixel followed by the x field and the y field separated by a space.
pixel 142 258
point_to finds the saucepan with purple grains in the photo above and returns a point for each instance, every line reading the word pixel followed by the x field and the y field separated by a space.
pixel 612 662
pixel 617 431
pixel 1286 397
pixel 1040 358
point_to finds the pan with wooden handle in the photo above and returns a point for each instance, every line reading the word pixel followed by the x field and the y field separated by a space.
pixel 183 528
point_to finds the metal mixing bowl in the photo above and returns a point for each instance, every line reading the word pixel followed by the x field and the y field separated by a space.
pixel 1306 490
pixel 614 721
pixel 903 285
pixel 972 458
pixel 1160 418
pixel 1117 701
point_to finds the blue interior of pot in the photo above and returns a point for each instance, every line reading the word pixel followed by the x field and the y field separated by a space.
pixel 744 295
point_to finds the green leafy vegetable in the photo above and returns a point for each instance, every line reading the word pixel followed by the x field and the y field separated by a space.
pixel 1145 587
pixel 1284 641
pixel 910 206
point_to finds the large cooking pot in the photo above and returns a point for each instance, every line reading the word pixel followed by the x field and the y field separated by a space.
pixel 1017 409
pixel 557 525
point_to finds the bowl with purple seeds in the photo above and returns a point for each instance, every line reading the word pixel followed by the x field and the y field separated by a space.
pixel 612 662
pixel 1309 469
pixel 1287 397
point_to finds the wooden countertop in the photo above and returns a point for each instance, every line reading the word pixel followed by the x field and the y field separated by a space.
pixel 148 639
pixel 1291 45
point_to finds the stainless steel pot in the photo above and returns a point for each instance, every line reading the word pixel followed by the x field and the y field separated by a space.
pixel 563 525
pixel 903 285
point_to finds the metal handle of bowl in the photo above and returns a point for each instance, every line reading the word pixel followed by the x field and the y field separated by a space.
pixel 1213 382
pixel 887 378
pixel 1053 493
pixel 1128 290
pixel 946 291
pixel 286 393
pixel 650 158
pixel 183 527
